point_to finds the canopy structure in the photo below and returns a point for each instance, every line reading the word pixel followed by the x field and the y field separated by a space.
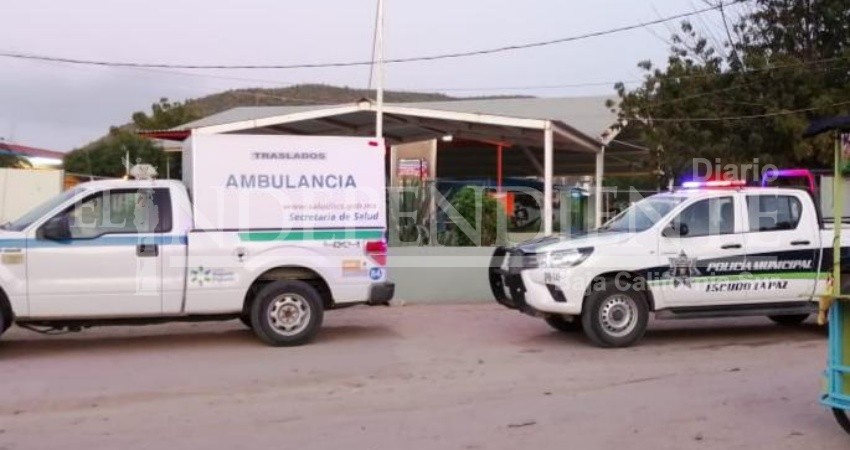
pixel 36 156
pixel 580 130
pixel 826 124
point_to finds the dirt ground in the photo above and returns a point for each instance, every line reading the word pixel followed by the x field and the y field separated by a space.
pixel 417 377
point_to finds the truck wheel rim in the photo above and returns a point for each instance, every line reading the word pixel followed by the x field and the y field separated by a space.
pixel 289 314
pixel 618 315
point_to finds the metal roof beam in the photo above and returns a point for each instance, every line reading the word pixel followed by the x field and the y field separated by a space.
pixel 285 129
pixel 276 120
pixel 340 124
pixel 583 143
pixel 488 129
pixel 485 133
pixel 532 159
pixel 460 116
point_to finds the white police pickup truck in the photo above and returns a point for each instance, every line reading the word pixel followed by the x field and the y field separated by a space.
pixel 140 252
pixel 692 253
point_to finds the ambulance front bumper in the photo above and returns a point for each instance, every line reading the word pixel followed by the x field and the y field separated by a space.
pixel 517 283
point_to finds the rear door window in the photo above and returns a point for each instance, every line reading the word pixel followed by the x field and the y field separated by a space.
pixel 773 212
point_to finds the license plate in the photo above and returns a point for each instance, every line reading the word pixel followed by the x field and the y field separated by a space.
pixel 552 277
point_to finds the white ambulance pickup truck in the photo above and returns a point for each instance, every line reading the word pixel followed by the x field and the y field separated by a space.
pixel 278 230
pixel 694 253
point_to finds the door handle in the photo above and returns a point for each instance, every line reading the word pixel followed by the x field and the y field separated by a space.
pixel 147 250
pixel 800 242
pixel 730 246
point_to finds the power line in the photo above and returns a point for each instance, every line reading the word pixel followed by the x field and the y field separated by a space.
pixel 526 87
pixel 478 88
pixel 639 81
pixel 632 81
pixel 743 117
pixel 285 84
pixel 454 55
pixel 162 68
pixel 654 104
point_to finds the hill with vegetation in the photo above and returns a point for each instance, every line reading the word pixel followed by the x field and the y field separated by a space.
pixel 304 94
pixel 103 157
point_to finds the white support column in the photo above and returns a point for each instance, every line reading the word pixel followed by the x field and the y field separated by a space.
pixel 600 170
pixel 548 163
pixel 379 69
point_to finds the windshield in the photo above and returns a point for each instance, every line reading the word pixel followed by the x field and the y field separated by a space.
pixel 39 211
pixel 642 215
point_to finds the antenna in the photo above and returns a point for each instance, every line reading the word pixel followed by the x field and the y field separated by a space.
pixel 126 160
pixel 87 151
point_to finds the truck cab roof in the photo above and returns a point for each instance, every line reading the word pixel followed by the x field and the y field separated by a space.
pixel 719 192
pixel 129 184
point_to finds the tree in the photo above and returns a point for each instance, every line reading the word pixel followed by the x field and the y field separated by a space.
pixel 104 156
pixel 165 115
pixel 750 96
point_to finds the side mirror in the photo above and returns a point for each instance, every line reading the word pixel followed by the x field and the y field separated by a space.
pixel 56 229
pixel 672 231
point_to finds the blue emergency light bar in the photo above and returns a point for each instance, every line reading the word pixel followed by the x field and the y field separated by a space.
pixel 713 184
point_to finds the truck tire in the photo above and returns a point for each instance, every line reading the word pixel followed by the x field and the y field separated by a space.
pixel 794 319
pixel 613 317
pixel 287 313
pixel 246 320
pixel 843 420
pixel 563 324
pixel 6 316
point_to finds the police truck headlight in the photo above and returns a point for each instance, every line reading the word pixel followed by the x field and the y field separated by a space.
pixel 562 259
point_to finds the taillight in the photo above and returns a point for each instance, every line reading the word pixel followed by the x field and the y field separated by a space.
pixel 377 250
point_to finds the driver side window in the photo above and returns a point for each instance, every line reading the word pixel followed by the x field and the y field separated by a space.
pixel 85 221
pixel 709 217
pixel 120 211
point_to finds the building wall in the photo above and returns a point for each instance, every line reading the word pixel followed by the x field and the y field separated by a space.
pixel 440 274
pixel 21 190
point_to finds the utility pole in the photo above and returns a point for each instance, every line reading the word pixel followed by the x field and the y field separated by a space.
pixel 379 53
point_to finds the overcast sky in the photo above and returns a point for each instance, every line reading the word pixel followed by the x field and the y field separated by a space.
pixel 61 106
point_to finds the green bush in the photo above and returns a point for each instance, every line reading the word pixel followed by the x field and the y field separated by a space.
pixel 469 204
pixel 413 197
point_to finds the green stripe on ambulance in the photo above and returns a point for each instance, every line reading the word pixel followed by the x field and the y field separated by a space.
pixel 310 235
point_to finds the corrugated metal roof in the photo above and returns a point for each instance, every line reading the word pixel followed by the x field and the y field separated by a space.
pixel 241 113
pixel 589 115
pixel 24 150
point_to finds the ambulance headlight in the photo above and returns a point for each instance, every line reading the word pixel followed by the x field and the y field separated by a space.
pixel 561 259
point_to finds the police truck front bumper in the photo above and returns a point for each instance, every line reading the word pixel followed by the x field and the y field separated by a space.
pixel 517 282
pixel 506 283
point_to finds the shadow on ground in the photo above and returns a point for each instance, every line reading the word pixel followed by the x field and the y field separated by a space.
pixel 704 334
pixel 34 346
